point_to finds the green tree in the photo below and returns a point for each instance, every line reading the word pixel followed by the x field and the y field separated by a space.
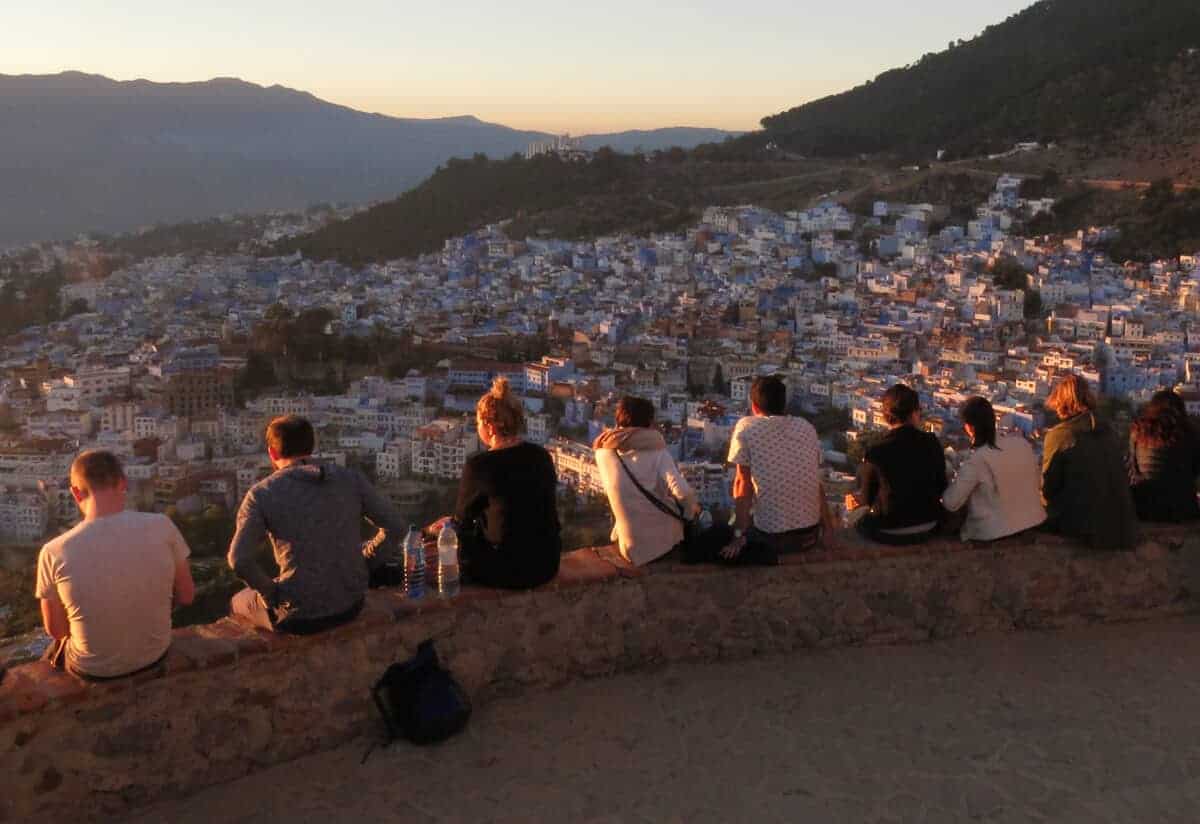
pixel 278 312
pixel 257 375
pixel 1033 304
pixel 1008 273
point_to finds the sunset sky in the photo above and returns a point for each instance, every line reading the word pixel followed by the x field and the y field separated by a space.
pixel 562 66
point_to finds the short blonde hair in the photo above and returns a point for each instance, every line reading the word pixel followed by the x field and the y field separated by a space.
pixel 500 410
pixel 1070 397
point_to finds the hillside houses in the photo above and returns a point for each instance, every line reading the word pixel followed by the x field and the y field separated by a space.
pixel 685 319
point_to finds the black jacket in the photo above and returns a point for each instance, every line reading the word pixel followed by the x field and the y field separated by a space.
pixel 1163 480
pixel 902 479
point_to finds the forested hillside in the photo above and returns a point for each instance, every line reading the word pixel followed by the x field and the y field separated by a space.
pixel 546 195
pixel 1061 69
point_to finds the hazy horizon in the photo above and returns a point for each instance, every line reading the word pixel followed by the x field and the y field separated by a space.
pixel 528 65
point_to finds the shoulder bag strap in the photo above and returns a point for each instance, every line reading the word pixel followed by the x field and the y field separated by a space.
pixel 650 496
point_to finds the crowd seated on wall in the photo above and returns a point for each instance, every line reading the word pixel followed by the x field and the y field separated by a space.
pixel 107 586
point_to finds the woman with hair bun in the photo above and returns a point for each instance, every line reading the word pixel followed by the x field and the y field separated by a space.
pixel 1164 459
pixel 507 508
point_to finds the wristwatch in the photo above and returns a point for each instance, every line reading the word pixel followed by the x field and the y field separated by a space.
pixel 739 533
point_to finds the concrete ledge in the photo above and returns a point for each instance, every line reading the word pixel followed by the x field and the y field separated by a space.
pixel 230 699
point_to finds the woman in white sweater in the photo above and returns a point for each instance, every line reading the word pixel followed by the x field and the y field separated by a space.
pixel 643 531
pixel 998 482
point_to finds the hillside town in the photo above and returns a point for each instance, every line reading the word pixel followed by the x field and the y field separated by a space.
pixel 839 304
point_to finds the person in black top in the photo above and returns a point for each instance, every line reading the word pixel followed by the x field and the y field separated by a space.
pixel 1164 460
pixel 507 507
pixel 902 477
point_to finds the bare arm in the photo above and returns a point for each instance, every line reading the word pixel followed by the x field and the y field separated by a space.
pixel 827 520
pixel 743 497
pixel 185 587
pixel 54 619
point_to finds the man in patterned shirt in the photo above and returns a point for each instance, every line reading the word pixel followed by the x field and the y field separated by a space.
pixel 778 479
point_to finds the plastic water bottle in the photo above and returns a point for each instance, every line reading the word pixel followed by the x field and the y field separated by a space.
pixel 414 564
pixel 706 520
pixel 447 544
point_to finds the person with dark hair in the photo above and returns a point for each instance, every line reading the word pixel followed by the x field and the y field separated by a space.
pixel 1164 460
pixel 998 482
pixel 902 477
pixel 637 470
pixel 507 510
pixel 312 513
pixel 778 499
pixel 107 586
pixel 1085 485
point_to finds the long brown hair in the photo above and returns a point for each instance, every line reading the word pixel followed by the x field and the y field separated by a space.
pixel 499 409
pixel 1070 397
pixel 1163 421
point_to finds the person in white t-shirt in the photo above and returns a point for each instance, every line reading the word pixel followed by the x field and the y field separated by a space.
pixel 778 499
pixel 107 586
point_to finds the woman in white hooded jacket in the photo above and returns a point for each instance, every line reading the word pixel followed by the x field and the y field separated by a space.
pixel 643 532
pixel 998 482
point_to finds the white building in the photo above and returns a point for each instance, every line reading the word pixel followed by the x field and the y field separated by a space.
pixel 441 448
pixel 24 515
pixel 575 464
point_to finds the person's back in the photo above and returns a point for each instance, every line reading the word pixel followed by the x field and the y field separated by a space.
pixel 1163 480
pixel 1084 484
pixel 107 585
pixel 1000 486
pixel 783 454
pixel 114 576
pixel 910 472
pixel 515 486
pixel 1164 459
pixel 313 514
pixel 644 532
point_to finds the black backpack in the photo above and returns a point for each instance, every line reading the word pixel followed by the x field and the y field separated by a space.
pixel 421 701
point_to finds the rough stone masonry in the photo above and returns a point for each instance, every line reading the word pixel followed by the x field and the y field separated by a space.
pixel 231 699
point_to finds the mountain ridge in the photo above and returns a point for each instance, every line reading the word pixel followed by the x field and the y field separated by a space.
pixel 82 152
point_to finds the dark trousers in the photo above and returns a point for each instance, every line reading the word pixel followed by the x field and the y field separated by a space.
pixel 786 543
pixel 868 527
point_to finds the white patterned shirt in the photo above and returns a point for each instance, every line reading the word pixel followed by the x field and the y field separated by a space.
pixel 784 457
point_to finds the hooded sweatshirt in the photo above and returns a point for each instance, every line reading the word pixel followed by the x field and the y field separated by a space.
pixel 642 531
pixel 312 514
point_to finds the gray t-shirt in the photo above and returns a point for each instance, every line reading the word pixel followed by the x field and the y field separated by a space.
pixel 115 577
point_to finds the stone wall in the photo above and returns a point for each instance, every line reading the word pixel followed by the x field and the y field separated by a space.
pixel 230 699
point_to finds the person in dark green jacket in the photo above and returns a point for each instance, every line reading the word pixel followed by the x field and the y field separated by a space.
pixel 1085 488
